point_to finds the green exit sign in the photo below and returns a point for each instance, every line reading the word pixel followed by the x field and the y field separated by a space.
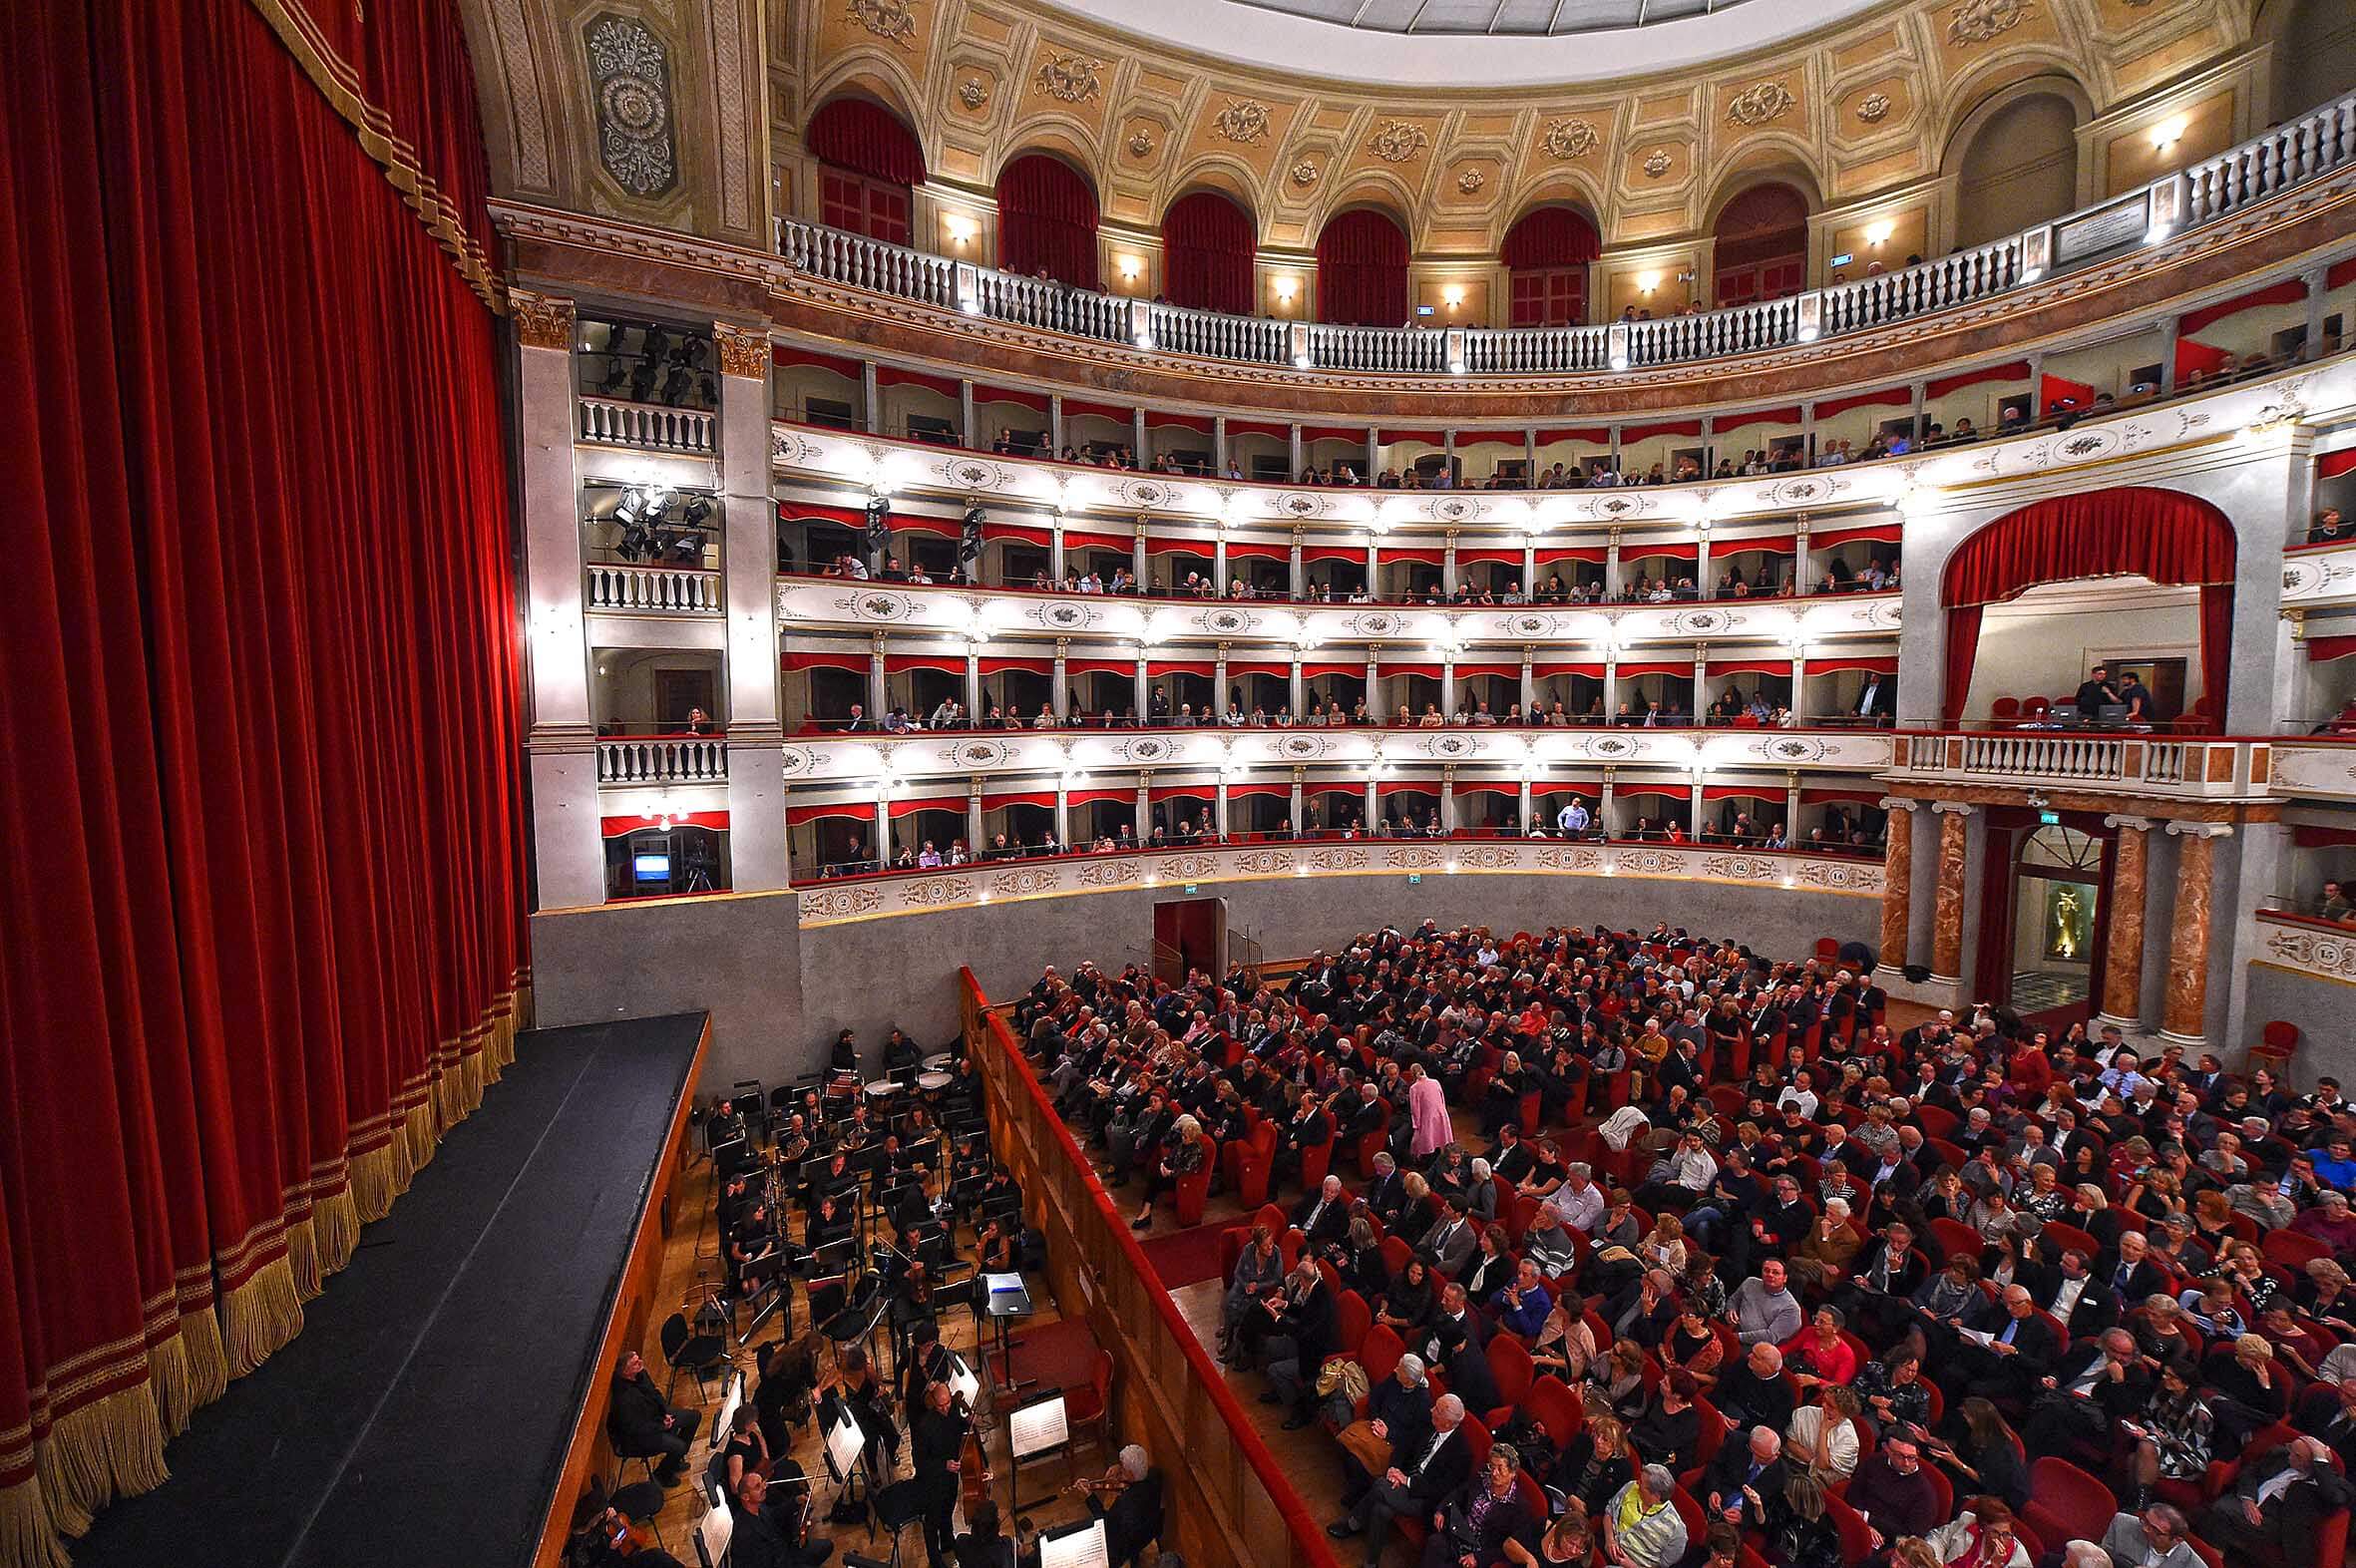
pixel 1190 889
pixel 2049 818
pixel 1414 879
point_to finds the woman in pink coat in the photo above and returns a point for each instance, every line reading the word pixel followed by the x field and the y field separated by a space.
pixel 1427 1109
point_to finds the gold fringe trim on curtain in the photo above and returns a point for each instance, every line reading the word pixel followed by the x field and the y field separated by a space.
pixel 261 1314
pixel 335 1228
pixel 168 1382
pixel 110 1448
pixel 193 1370
pixel 421 1132
pixel 27 1537
pixel 374 1182
pixel 303 1260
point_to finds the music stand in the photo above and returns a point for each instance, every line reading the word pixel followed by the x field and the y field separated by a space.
pixel 844 1448
pixel 1040 1430
pixel 712 1534
pixel 1006 1298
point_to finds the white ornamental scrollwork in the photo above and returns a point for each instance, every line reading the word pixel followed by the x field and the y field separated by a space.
pixel 629 68
pixel 1652 863
pixel 825 903
pixel 1242 122
pixel 1025 881
pixel 1569 859
pixel 1568 138
pixel 1120 873
pixel 2315 950
pixel 1490 856
pixel 1760 102
pixel 977 755
pixel 1187 868
pixel 1398 140
pixel 1742 868
pixel 1339 859
pixel 1834 876
pixel 879 604
pixel 1413 857
pixel 936 892
pixel 1069 79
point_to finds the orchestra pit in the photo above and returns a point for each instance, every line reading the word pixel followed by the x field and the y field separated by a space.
pixel 1321 783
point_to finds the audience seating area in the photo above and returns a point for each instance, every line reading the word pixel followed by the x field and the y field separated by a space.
pixel 2123 1303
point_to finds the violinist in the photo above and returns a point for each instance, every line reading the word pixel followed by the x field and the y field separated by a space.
pixel 870 1405
pixel 993 1248
pixel 1133 1518
pixel 768 1528
pixel 744 1448
pixel 937 1433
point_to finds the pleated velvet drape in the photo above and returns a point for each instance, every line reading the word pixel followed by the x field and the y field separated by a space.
pixel 258 682
pixel 1361 270
pixel 2164 535
pixel 1048 220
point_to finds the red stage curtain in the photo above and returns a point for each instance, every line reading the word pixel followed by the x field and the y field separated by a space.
pixel 1048 219
pixel 866 138
pixel 2163 535
pixel 1963 651
pixel 1207 246
pixel 2217 648
pixel 247 690
pixel 1361 270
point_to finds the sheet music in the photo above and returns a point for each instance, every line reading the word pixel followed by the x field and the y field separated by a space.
pixel 716 1528
pixel 1004 1281
pixel 1977 1337
pixel 728 1405
pixel 844 1441
pixel 1037 1428
pixel 962 1380
pixel 1080 1549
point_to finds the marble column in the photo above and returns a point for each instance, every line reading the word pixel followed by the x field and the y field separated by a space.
pixel 2182 1021
pixel 758 852
pixel 2123 951
pixel 1947 915
pixel 1897 882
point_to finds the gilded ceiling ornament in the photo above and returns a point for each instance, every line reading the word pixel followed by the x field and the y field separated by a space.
pixel 1070 79
pixel 542 320
pixel 1471 181
pixel 889 20
pixel 1977 21
pixel 973 92
pixel 1245 121
pixel 1760 102
pixel 1396 141
pixel 1570 138
pixel 631 70
pixel 1140 143
pixel 1658 162
pixel 1304 173
pixel 1875 108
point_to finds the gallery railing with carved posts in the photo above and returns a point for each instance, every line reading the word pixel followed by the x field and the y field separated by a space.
pixel 841 901
pixel 1227 1501
pixel 2137 763
pixel 655 760
pixel 2282 156
pixel 653 591
pixel 649 427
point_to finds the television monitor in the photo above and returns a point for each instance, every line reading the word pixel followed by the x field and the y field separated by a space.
pixel 652 868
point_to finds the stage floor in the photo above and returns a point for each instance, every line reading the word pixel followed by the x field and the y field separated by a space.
pixel 422 1413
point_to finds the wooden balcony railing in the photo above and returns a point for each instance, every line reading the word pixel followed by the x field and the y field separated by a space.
pixel 1227 1502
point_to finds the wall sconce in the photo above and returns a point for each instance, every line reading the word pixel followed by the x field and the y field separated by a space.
pixel 1454 295
pixel 1646 283
pixel 961 231
pixel 1129 266
pixel 1286 287
pixel 1877 234
pixel 2167 133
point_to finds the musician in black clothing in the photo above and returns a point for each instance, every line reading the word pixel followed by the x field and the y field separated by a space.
pixel 642 1422
pixel 937 1434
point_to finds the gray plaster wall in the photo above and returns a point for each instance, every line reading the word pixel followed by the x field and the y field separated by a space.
pixel 2320 1007
pixel 777 994
pixel 736 957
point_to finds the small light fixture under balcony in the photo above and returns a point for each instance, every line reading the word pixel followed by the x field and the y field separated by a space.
pixel 1286 287
pixel 1646 283
pixel 1452 297
pixel 2167 133
pixel 1129 266
pixel 961 231
pixel 1619 361
pixel 1878 234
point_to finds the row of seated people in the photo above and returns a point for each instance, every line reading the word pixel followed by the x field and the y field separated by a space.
pixel 1779 1232
pixel 1837 837
pixel 1732 711
pixel 1879 575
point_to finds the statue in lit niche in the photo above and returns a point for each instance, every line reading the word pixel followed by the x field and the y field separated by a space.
pixel 2065 921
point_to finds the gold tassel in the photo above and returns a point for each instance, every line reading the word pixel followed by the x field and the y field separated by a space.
pixel 110 1448
pixel 168 1377
pixel 421 1133
pixel 207 1359
pixel 27 1538
pixel 335 1227
pixel 374 1184
pixel 470 1077
pixel 303 1260
pixel 261 1314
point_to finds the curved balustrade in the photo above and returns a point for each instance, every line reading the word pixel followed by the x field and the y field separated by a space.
pixel 2285 156
pixel 2140 763
pixel 649 427
pixel 653 591
pixel 689 760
